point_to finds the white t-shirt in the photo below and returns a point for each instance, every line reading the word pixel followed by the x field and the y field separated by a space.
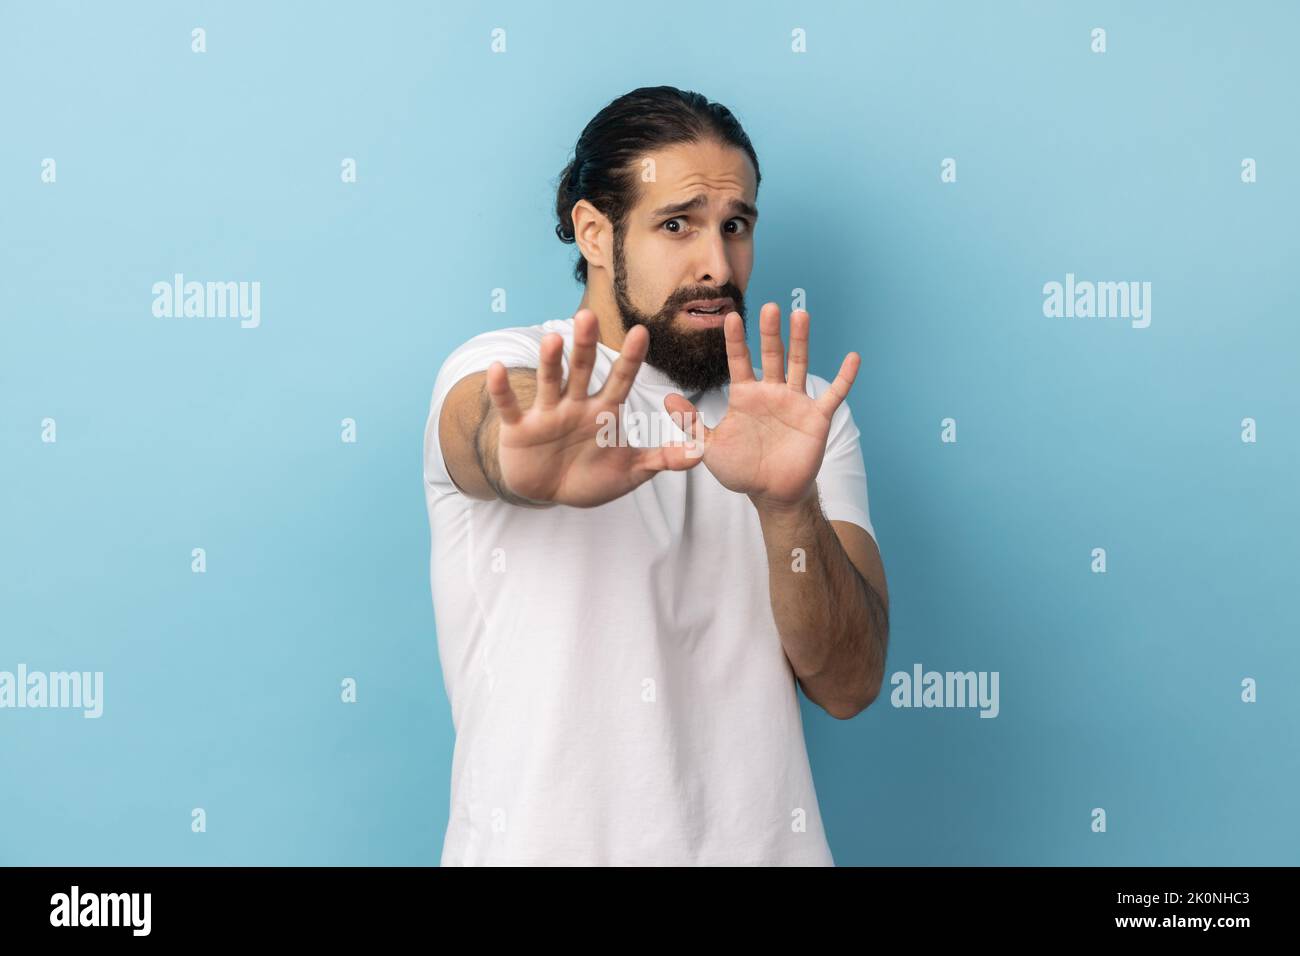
pixel 617 683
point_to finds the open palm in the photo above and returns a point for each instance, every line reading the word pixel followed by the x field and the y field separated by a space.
pixel 771 442
pixel 553 451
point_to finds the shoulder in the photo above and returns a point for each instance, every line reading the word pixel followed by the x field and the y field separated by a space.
pixel 527 337
pixel 517 345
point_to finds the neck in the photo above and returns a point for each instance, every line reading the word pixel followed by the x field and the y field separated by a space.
pixel 609 326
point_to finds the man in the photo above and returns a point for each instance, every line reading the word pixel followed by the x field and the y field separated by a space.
pixel 623 605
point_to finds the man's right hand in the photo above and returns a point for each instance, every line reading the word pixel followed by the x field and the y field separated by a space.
pixel 549 452
pixel 498 446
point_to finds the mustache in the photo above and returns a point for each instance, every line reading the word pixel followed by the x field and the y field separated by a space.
pixel 678 301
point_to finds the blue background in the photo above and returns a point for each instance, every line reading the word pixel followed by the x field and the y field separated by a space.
pixel 1118 690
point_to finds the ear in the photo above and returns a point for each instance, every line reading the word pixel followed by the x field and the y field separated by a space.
pixel 593 233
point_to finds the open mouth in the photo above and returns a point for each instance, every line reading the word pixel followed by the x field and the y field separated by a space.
pixel 702 308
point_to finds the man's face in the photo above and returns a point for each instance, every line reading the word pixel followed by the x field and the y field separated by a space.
pixel 689 239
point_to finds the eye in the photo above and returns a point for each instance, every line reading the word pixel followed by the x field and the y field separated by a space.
pixel 742 224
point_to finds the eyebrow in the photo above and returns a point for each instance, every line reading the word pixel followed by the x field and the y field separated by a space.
pixel 697 202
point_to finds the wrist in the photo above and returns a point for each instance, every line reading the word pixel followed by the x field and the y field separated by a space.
pixel 773 510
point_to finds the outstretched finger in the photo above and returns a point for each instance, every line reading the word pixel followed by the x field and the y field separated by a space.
pixel 687 418
pixel 798 377
pixel 549 371
pixel 583 358
pixel 738 361
pixel 830 399
pixel 671 457
pixel 635 345
pixel 502 395
pixel 769 343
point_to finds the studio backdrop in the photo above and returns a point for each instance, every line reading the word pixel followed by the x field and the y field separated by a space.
pixel 1060 235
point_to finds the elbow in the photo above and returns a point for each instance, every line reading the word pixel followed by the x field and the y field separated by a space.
pixel 846 712
pixel 849 710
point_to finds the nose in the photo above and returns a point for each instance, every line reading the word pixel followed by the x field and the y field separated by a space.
pixel 715 264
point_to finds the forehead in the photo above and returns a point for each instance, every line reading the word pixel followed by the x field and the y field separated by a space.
pixel 685 170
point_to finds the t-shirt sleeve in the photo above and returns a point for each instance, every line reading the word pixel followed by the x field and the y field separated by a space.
pixel 517 347
pixel 842 480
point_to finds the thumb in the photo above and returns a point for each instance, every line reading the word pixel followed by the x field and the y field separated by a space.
pixel 687 418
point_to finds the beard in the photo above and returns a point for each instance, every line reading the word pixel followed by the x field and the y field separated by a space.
pixel 695 359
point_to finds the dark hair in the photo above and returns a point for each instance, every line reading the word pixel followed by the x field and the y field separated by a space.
pixel 604 168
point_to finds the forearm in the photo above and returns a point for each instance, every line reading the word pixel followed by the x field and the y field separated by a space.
pixel 833 625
